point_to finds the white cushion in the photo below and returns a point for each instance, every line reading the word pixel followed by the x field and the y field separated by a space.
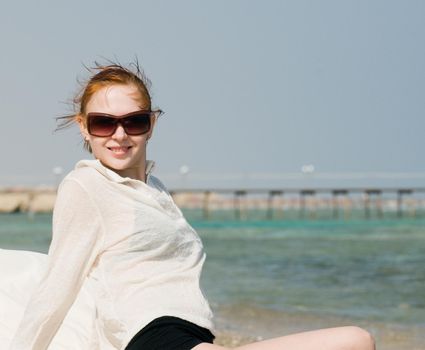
pixel 20 272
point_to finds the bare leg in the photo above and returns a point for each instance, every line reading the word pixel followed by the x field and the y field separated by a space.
pixel 340 338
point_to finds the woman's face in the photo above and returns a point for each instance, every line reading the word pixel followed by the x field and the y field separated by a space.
pixel 125 154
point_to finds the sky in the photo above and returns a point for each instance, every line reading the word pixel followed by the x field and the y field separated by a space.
pixel 252 90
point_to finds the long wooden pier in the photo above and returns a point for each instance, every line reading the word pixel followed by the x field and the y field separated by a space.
pixel 307 199
pixel 305 202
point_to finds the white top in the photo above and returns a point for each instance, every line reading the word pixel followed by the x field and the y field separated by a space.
pixel 141 258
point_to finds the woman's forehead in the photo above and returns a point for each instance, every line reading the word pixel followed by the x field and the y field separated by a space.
pixel 116 99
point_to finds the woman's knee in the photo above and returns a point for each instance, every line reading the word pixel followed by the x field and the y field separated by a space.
pixel 360 338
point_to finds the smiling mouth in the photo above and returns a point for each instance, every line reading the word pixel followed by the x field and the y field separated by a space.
pixel 119 150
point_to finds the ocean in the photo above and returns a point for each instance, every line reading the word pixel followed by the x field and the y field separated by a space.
pixel 371 270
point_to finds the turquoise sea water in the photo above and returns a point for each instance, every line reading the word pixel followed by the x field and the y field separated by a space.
pixel 364 269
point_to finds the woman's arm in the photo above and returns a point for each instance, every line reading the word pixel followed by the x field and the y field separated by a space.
pixel 76 242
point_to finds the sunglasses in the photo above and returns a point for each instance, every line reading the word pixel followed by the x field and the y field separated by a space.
pixel 134 123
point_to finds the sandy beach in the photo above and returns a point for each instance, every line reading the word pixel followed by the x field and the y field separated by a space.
pixel 241 325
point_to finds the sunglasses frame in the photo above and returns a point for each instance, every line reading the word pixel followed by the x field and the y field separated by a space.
pixel 118 120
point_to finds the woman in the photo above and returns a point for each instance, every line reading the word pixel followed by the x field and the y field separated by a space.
pixel 119 237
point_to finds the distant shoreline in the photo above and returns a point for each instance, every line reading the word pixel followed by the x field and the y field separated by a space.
pixel 35 200
pixel 274 204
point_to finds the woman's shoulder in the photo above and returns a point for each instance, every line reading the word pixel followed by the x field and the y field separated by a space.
pixel 87 174
pixel 156 182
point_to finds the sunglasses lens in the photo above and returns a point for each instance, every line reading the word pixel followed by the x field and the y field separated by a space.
pixel 101 126
pixel 137 124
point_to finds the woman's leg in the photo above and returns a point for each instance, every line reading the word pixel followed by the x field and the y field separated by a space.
pixel 340 338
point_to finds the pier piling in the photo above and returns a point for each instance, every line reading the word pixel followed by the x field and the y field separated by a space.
pixel 270 202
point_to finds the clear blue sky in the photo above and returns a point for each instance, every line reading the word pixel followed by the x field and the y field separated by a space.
pixel 247 86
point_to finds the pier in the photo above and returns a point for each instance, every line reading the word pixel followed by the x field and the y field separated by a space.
pixel 306 202
pixel 273 203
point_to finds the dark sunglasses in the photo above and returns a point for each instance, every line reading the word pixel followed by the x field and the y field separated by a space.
pixel 134 123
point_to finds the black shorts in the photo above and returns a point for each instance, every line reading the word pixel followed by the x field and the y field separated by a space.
pixel 170 333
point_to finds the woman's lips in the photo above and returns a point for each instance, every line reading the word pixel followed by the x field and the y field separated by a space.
pixel 119 151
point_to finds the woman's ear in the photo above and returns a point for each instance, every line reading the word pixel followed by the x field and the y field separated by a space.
pixel 83 128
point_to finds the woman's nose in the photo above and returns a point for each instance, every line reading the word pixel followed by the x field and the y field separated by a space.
pixel 119 133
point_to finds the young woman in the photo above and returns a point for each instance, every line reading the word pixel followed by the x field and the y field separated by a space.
pixel 119 237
